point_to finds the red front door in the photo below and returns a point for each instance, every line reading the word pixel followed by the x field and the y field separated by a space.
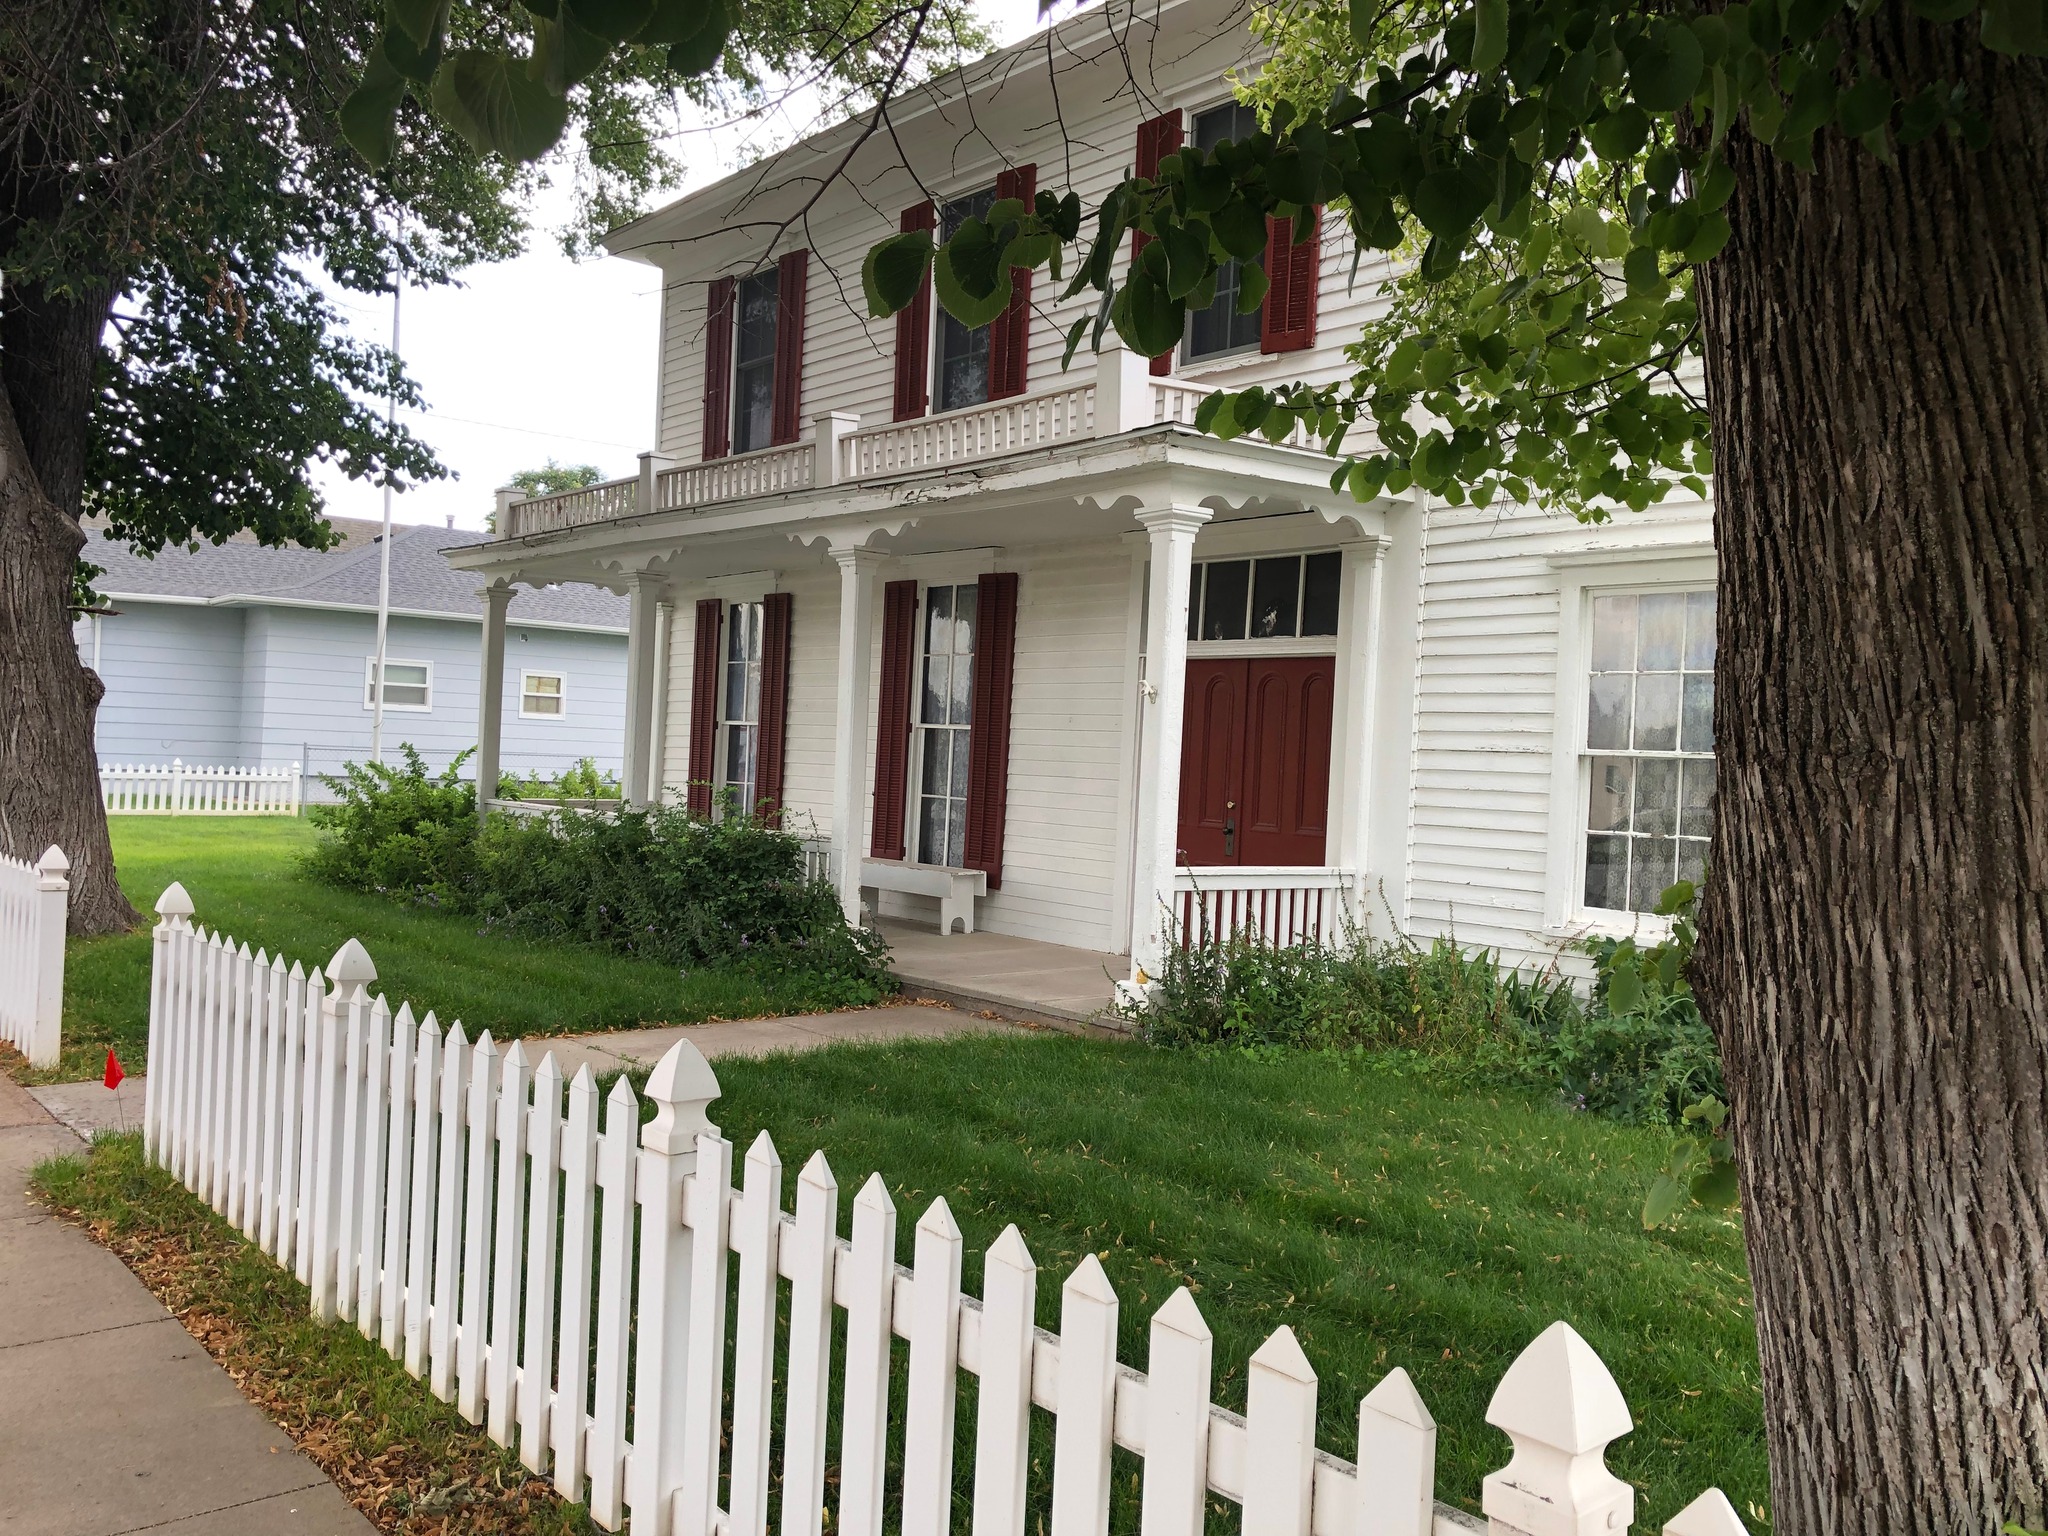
pixel 1255 760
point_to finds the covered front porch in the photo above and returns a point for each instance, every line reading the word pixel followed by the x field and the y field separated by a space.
pixel 970 686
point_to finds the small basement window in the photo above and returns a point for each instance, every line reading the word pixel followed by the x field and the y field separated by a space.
pixel 408 685
pixel 542 695
pixel 1279 597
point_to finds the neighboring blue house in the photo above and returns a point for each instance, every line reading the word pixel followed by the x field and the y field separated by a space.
pixel 242 655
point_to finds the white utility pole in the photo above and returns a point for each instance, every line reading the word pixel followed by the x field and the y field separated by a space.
pixel 384 559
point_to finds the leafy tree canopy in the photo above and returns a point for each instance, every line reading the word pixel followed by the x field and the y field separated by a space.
pixel 552 478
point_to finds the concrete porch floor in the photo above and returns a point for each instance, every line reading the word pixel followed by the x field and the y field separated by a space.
pixel 1023 979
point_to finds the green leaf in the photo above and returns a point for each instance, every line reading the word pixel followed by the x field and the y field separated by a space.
pixel 493 102
pixel 1624 989
pixel 1708 239
pixel 1449 202
pixel 419 20
pixel 1252 284
pixel 1622 132
pixel 415 63
pixel 677 21
pixel 564 53
pixel 1438 364
pixel 1662 1202
pixel 1206 412
pixel 1667 71
pixel 1717 1187
pixel 1489 35
pixel 1363 14
pixel 1865 106
pixel 2016 27
pixel 894 270
pixel 1641 271
pixel 1240 229
pixel 612 20
pixel 1187 256
pixel 700 52
pixel 1074 334
pixel 1154 319
pixel 369 114
pixel 971 283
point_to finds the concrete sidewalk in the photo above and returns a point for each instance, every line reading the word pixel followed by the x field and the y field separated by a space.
pixel 113 1419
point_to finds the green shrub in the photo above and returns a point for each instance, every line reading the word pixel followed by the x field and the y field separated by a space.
pixel 663 884
pixel 580 781
pixel 1453 1011
pixel 396 830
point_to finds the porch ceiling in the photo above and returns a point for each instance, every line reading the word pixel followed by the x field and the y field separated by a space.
pixel 1053 496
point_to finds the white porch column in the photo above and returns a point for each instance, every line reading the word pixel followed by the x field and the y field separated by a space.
pixel 1356 686
pixel 857 571
pixel 490 702
pixel 644 590
pixel 1172 533
pixel 664 644
pixel 1387 793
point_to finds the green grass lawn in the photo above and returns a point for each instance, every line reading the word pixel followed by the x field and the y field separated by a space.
pixel 242 875
pixel 1387 1221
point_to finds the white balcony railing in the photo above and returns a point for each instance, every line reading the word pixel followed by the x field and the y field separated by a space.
pixel 767 472
pixel 985 432
pixel 1266 904
pixel 1122 399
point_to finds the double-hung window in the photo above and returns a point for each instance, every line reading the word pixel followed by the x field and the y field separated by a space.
pixel 1648 753
pixel 753 394
pixel 742 704
pixel 960 366
pixel 408 685
pixel 541 695
pixel 1220 328
pixel 944 718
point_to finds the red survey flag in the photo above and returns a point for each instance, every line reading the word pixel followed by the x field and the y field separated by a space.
pixel 114 1072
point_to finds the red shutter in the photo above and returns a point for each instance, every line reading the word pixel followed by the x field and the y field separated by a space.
pixel 704 706
pixel 988 742
pixel 718 369
pixel 1158 137
pixel 1009 338
pixel 914 331
pixel 775 612
pixel 892 719
pixel 1288 322
pixel 792 275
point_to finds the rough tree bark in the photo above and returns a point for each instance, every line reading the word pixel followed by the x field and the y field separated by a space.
pixel 49 772
pixel 1872 949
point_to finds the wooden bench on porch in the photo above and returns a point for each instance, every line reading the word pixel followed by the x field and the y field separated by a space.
pixel 955 888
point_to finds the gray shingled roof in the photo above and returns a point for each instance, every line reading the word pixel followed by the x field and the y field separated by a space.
pixel 422 581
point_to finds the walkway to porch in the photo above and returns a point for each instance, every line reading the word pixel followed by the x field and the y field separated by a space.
pixel 1023 979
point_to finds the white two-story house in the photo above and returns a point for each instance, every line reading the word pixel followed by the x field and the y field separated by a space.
pixel 1030 654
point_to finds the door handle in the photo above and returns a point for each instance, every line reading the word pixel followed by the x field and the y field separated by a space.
pixel 1229 836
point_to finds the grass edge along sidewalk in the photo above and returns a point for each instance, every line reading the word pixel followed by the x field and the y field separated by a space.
pixel 1387 1225
pixel 243 877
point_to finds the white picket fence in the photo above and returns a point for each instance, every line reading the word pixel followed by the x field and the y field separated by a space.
pixel 134 789
pixel 566 1284
pixel 35 901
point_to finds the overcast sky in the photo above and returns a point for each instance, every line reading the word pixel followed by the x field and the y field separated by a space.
pixel 544 357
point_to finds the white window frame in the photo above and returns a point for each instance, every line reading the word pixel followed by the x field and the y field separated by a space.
pixel 914 825
pixel 561 694
pixel 1582 576
pixel 1267 645
pixel 370 685
pixel 1185 360
pixel 722 768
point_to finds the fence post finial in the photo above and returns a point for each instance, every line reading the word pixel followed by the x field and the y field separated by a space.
pixel 1560 1406
pixel 351 967
pixel 1708 1515
pixel 682 1086
pixel 53 867
pixel 174 906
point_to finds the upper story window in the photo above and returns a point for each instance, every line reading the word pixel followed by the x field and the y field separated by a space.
pixel 408 685
pixel 1220 328
pixel 743 704
pixel 960 363
pixel 944 719
pixel 1278 597
pixel 1648 756
pixel 753 392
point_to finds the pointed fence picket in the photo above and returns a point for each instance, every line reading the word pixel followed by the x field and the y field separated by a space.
pixel 34 909
pixel 179 789
pixel 564 1275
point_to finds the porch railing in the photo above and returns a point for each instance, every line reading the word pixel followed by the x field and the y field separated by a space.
pixel 841 452
pixel 1274 904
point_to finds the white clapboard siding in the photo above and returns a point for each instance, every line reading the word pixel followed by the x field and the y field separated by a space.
pixel 34 907
pixel 568 1286
pixel 139 789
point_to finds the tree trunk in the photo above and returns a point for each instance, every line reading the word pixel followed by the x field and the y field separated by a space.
pixel 1874 948
pixel 49 771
